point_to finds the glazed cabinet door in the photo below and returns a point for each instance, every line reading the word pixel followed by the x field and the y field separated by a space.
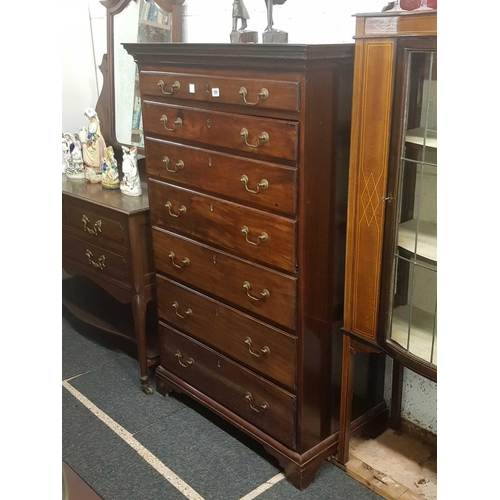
pixel 408 313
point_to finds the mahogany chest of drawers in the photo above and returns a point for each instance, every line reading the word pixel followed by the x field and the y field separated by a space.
pixel 106 246
pixel 247 155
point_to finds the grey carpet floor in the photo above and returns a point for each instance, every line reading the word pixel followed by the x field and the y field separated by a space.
pixel 216 460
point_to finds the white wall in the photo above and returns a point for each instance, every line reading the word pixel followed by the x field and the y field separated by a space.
pixel 84 43
pixel 319 21
pixel 79 80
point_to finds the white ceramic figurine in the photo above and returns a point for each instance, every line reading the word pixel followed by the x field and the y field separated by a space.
pixel 65 154
pixel 131 183
pixel 75 168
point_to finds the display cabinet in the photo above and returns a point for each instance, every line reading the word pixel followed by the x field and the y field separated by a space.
pixel 391 266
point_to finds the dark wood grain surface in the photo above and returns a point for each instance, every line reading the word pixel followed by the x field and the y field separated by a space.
pixel 114 199
pixel 269 239
pixel 222 129
pixel 230 384
pixel 221 174
pixel 287 290
pixel 219 89
pixel 223 275
pixel 249 341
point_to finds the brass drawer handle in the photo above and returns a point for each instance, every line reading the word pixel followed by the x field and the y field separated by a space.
pixel 175 86
pixel 97 226
pixel 264 350
pixel 262 236
pixel 178 166
pixel 184 261
pixel 182 209
pixel 101 261
pixel 189 361
pixel 263 94
pixel 264 406
pixel 177 121
pixel 263 138
pixel 263 184
pixel 264 294
pixel 187 312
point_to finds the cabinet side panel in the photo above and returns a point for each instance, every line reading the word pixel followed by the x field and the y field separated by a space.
pixel 372 103
pixel 319 240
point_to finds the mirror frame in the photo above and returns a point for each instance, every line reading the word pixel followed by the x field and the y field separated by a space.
pixel 105 106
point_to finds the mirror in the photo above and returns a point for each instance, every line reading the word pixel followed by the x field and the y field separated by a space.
pixel 131 21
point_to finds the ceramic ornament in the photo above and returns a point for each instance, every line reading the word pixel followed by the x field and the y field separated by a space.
pixel 75 168
pixel 93 147
pixel 131 183
pixel 110 175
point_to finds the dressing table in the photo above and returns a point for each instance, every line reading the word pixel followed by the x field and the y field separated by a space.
pixel 106 236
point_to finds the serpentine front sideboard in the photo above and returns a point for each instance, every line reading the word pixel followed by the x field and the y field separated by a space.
pixel 106 245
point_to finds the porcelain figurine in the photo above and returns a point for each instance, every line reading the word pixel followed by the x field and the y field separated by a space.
pixel 66 155
pixel 75 168
pixel 131 183
pixel 110 175
pixel 93 147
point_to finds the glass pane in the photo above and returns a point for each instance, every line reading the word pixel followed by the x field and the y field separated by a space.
pixel 155 25
pixel 414 301
pixel 142 21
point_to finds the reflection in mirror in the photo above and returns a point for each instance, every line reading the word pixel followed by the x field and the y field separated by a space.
pixel 132 21
pixel 141 21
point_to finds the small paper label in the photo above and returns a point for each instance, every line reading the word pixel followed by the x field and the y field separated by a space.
pixel 191 88
pixel 215 92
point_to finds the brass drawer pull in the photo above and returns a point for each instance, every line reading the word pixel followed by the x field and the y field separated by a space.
pixel 187 312
pixel 263 94
pixel 182 209
pixel 101 261
pixel 97 226
pixel 185 261
pixel 264 350
pixel 178 166
pixel 264 406
pixel 175 86
pixel 189 362
pixel 263 138
pixel 264 294
pixel 177 121
pixel 263 184
pixel 262 236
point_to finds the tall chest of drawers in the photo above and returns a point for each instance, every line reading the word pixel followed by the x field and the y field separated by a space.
pixel 247 156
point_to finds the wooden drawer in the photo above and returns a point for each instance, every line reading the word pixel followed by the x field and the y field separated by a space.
pixel 221 90
pixel 253 343
pixel 222 129
pixel 97 260
pixel 252 233
pixel 94 223
pixel 227 175
pixel 255 399
pixel 224 276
